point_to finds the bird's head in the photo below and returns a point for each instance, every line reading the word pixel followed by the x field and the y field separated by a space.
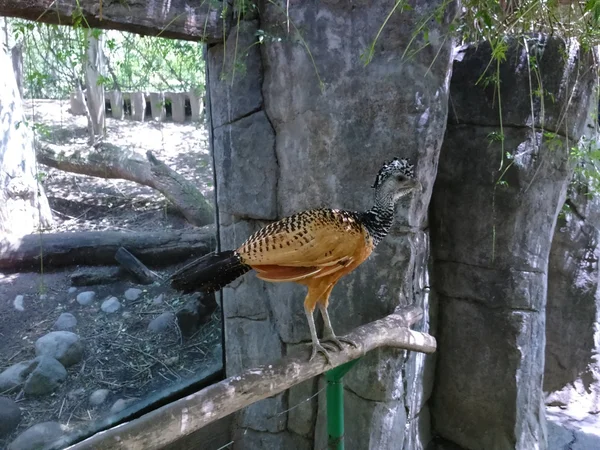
pixel 396 179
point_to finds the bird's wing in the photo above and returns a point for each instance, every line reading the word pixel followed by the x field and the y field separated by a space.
pixel 313 239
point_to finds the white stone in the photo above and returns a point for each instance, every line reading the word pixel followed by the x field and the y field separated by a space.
pixel 18 303
pixel 111 305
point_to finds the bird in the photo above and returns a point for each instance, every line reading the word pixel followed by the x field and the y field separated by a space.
pixel 314 248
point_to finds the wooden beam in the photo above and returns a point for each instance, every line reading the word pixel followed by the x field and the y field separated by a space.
pixel 187 415
pixel 92 248
pixel 177 19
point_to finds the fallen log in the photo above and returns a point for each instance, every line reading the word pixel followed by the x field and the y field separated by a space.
pixel 99 248
pixel 109 161
pixel 171 422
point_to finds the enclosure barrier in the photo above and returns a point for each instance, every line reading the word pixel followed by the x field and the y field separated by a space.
pixel 142 106
pixel 171 422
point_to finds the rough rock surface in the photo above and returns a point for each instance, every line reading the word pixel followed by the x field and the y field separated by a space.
pixel 572 371
pixel 15 375
pixel 64 346
pixel 47 376
pixel 132 294
pixel 121 404
pixel 110 305
pixel 297 135
pixel 98 396
pixel 10 416
pixel 569 432
pixel 37 437
pixel 491 242
pixel 572 363
pixel 66 321
pixel 86 298
pixel 162 323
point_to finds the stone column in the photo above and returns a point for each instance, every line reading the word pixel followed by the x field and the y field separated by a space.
pixel 77 103
pixel 494 209
pixel 138 106
pixel 196 105
pixel 116 104
pixel 177 100
pixel 157 106
pixel 290 135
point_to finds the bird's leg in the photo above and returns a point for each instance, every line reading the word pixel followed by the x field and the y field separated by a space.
pixel 328 333
pixel 316 345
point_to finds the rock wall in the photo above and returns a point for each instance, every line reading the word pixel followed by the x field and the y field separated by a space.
pixel 572 369
pixel 494 207
pixel 300 122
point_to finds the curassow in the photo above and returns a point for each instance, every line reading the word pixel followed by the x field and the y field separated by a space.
pixel 314 248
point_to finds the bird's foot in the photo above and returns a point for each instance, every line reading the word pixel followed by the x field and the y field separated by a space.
pixel 318 348
pixel 333 340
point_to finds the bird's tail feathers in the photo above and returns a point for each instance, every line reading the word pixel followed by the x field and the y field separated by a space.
pixel 209 273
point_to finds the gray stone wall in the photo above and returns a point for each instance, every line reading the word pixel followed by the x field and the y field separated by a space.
pixel 290 135
pixel 572 369
pixel 491 240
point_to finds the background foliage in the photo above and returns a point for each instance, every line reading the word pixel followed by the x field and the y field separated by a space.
pixel 54 58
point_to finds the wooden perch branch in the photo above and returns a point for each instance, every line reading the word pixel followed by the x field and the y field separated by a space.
pixel 177 19
pixel 99 248
pixel 113 162
pixel 171 422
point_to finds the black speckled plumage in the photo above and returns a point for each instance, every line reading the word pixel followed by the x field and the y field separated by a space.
pixel 310 243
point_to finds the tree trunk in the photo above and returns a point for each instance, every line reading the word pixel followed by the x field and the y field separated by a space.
pixel 94 69
pixel 16 53
pixel 109 161
pixel 23 203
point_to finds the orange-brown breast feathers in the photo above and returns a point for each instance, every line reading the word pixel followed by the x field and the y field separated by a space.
pixel 313 243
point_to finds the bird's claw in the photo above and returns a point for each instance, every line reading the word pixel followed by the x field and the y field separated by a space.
pixel 318 348
pixel 337 341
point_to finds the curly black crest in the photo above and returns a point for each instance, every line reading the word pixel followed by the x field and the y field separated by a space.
pixel 394 166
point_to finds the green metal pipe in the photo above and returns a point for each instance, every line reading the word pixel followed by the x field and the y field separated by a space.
pixel 335 405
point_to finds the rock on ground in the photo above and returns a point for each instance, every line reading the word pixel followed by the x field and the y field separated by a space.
pixel 65 321
pixel 15 375
pixel 99 396
pixel 37 437
pixel 47 376
pixel 133 294
pixel 568 431
pixel 10 416
pixel 110 305
pixel 196 312
pixel 121 404
pixel 64 346
pixel 162 322
pixel 18 303
pixel 86 298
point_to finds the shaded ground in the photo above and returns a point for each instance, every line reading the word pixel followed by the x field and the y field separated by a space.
pixel 121 355
pixel 81 203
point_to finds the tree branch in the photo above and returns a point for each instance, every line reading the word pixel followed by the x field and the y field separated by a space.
pixel 182 417
pixel 109 161
pixel 177 19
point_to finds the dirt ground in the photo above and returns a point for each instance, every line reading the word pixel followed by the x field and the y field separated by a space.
pixel 120 354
